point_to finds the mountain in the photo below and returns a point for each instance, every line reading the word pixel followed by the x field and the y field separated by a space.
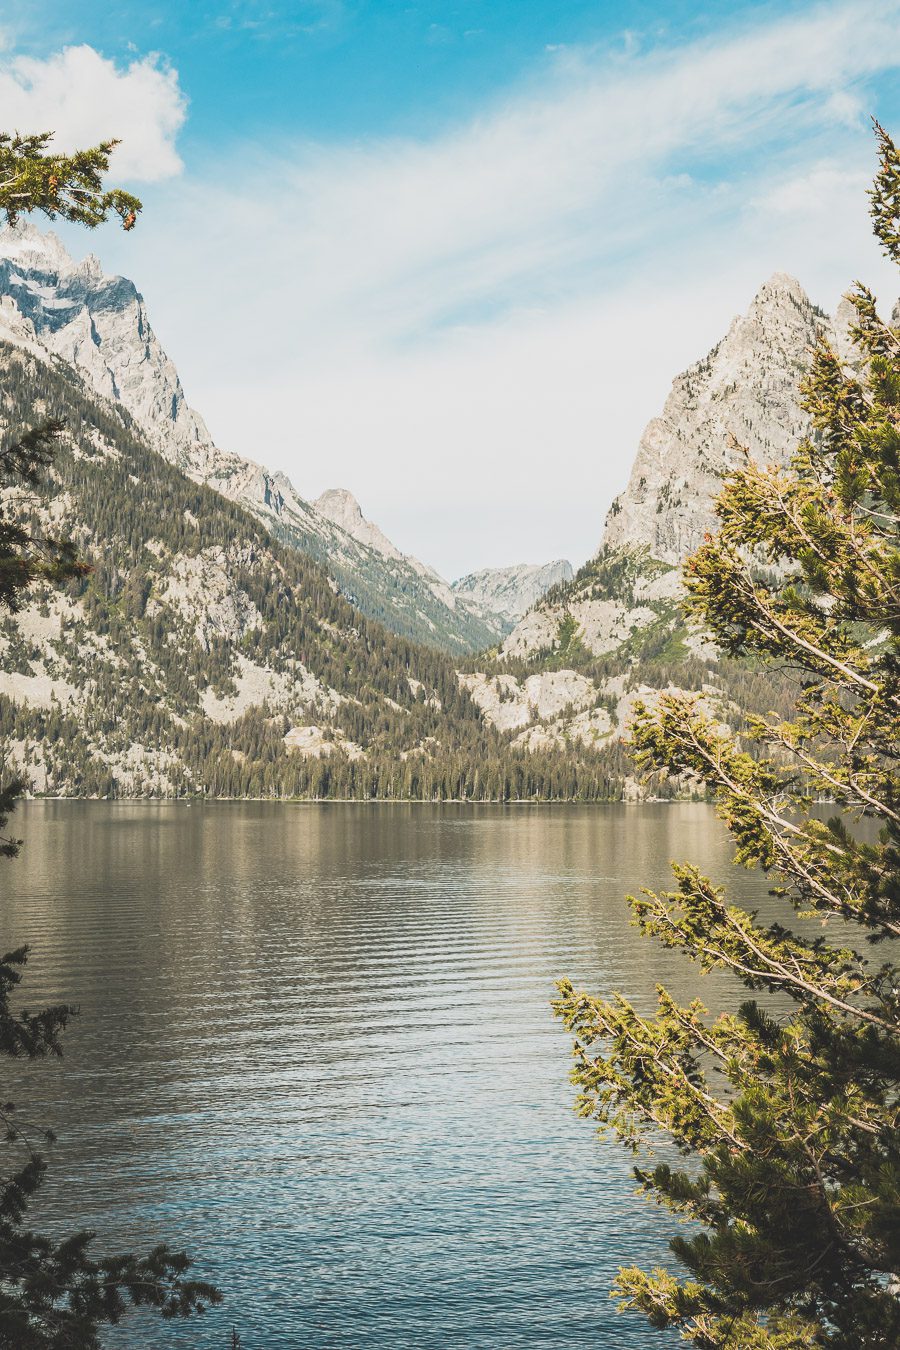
pixel 341 508
pixel 744 394
pixel 201 656
pixel 511 591
pixel 209 652
pixel 415 582
pixel 99 324
pixel 615 632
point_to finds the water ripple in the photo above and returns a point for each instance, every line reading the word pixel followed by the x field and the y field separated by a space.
pixel 315 1049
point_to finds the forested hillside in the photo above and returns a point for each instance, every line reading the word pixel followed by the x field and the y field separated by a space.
pixel 99 325
pixel 200 656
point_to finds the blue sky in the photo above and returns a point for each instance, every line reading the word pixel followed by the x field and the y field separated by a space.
pixel 338 68
pixel 450 256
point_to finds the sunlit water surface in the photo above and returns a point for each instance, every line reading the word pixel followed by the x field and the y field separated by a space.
pixel 315 1049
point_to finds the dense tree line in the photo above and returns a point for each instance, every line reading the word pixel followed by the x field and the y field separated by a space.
pixel 142 672
pixel 785 1109
pixel 56 1290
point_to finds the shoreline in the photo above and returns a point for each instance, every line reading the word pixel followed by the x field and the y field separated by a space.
pixel 355 801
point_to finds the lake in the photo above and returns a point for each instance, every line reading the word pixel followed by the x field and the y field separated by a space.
pixel 315 1049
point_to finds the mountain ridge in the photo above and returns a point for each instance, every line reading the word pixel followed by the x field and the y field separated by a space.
pixel 99 324
pixel 742 396
pixel 511 591
pixel 201 657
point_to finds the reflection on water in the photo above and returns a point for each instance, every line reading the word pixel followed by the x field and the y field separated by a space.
pixel 315 1049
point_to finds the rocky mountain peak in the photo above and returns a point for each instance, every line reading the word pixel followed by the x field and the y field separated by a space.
pixel 99 324
pixel 341 507
pixel 336 502
pixel 32 249
pixel 745 392
pixel 780 286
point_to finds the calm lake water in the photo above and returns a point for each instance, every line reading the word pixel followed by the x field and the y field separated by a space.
pixel 315 1049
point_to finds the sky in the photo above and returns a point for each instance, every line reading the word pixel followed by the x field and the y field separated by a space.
pixel 450 256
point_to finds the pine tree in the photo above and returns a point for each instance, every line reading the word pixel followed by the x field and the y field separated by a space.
pixel 34 178
pixel 55 1293
pixel 788 1120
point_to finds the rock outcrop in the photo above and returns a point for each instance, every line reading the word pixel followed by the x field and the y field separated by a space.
pixel 743 395
pixel 341 508
pixel 52 305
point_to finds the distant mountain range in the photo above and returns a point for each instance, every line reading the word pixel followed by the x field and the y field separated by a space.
pixel 510 592
pixel 99 325
pixel 201 656
pixel 235 639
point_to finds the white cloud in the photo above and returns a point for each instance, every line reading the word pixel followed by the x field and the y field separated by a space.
pixel 845 108
pixel 482 321
pixel 404 235
pixel 826 192
pixel 86 98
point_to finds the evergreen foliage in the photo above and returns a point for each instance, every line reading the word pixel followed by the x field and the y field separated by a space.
pixel 32 178
pixel 53 1292
pixel 144 673
pixel 787 1112
pixel 27 554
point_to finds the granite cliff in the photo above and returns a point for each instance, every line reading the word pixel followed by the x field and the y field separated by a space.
pixel 54 306
pixel 743 395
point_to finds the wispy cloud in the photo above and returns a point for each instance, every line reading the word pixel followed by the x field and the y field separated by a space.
pixel 516 204
pixel 490 315
pixel 85 98
pixel 265 22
